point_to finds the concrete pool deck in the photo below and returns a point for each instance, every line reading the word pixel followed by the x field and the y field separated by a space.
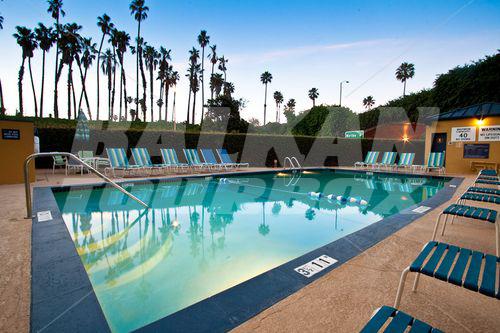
pixel 342 300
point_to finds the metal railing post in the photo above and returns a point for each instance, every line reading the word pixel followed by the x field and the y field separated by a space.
pixel 27 187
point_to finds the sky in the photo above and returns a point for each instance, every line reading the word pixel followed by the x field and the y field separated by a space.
pixel 304 44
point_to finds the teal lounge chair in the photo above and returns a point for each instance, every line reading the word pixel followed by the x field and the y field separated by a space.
pixel 142 158
pixel 471 212
pixel 488 172
pixel 209 158
pixel 388 160
pixel 387 319
pixel 469 266
pixel 479 197
pixel 370 160
pixel 487 182
pixel 485 190
pixel 170 159
pixel 193 159
pixel 226 159
pixel 118 162
pixel 405 160
pixel 436 162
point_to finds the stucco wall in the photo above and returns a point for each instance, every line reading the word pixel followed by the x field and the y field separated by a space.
pixel 14 152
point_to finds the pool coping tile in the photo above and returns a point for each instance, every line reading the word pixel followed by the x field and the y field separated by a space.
pixel 60 282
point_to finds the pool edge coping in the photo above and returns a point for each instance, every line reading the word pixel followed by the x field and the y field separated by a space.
pixel 227 309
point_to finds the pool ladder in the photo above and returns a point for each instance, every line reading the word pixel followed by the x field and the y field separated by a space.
pixel 27 186
pixel 291 163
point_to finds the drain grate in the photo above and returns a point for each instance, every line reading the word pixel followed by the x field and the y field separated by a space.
pixel 44 216
pixel 421 209
pixel 315 266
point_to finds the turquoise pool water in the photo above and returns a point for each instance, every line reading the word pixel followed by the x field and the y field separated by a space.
pixel 205 235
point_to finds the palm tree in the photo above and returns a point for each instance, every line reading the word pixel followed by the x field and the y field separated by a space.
pixel 216 83
pixel 46 38
pixel 223 66
pixel 172 78
pixel 122 42
pixel 404 72
pixel 103 22
pixel 26 40
pixel 88 55
pixel 228 89
pixel 151 57
pixel 140 12
pixel 368 102
pixel 56 11
pixel 194 55
pixel 194 70
pixel 114 43
pixel 107 69
pixel 265 78
pixel 213 60
pixel 278 98
pixel 70 46
pixel 290 105
pixel 313 94
pixel 163 72
pixel 203 40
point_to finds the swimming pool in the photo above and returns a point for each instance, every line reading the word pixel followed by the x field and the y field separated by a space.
pixel 206 235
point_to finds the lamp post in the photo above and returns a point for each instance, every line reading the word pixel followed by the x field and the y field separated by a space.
pixel 340 100
pixel 173 108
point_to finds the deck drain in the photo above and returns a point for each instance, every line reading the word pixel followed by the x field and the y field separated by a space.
pixel 44 216
pixel 421 209
pixel 315 266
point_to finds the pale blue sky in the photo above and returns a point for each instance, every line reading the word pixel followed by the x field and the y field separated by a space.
pixel 303 44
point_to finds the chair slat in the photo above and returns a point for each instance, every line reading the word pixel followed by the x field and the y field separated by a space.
pixel 459 269
pixel 431 265
pixel 419 261
pixel 472 277
pixel 445 266
pixel 399 323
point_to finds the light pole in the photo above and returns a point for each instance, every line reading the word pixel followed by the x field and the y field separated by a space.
pixel 173 108
pixel 340 100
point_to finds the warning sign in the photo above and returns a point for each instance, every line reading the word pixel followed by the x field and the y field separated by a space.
pixel 489 133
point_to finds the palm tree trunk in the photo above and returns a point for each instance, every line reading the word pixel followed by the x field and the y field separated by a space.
pixel 151 88
pixel 35 102
pixel 69 92
pixel 56 69
pixel 212 88
pixel 404 88
pixel 43 83
pixel 2 106
pixel 202 83
pixel 98 60
pixel 125 92
pixel 265 104
pixel 137 70
pixel 189 105
pixel 110 83
pixel 121 94
pixel 166 101
pixel 144 85
pixel 194 108
pixel 75 111
pixel 83 78
pixel 114 83
pixel 161 98
pixel 20 87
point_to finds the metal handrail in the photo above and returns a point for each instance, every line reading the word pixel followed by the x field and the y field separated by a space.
pixel 27 186
pixel 291 161
pixel 293 158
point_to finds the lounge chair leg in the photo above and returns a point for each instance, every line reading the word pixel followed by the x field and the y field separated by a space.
pixel 444 225
pixel 436 227
pixel 415 283
pixel 401 286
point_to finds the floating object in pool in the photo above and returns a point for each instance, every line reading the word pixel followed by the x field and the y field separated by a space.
pixel 358 201
pixel 343 199
pixel 315 195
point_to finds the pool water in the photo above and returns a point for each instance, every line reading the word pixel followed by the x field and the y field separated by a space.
pixel 205 235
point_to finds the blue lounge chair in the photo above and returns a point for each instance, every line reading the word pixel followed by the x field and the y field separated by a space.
pixel 226 159
pixel 485 190
pixel 388 160
pixel 488 172
pixel 461 273
pixel 370 160
pixel 142 158
pixel 118 161
pixel 209 158
pixel 481 197
pixel 169 157
pixel 194 160
pixel 472 212
pixel 405 160
pixel 487 182
pixel 387 319
pixel 436 162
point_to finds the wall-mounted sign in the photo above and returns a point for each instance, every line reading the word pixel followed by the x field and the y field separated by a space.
pixel 478 150
pixel 355 134
pixel 489 133
pixel 463 134
pixel 11 134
